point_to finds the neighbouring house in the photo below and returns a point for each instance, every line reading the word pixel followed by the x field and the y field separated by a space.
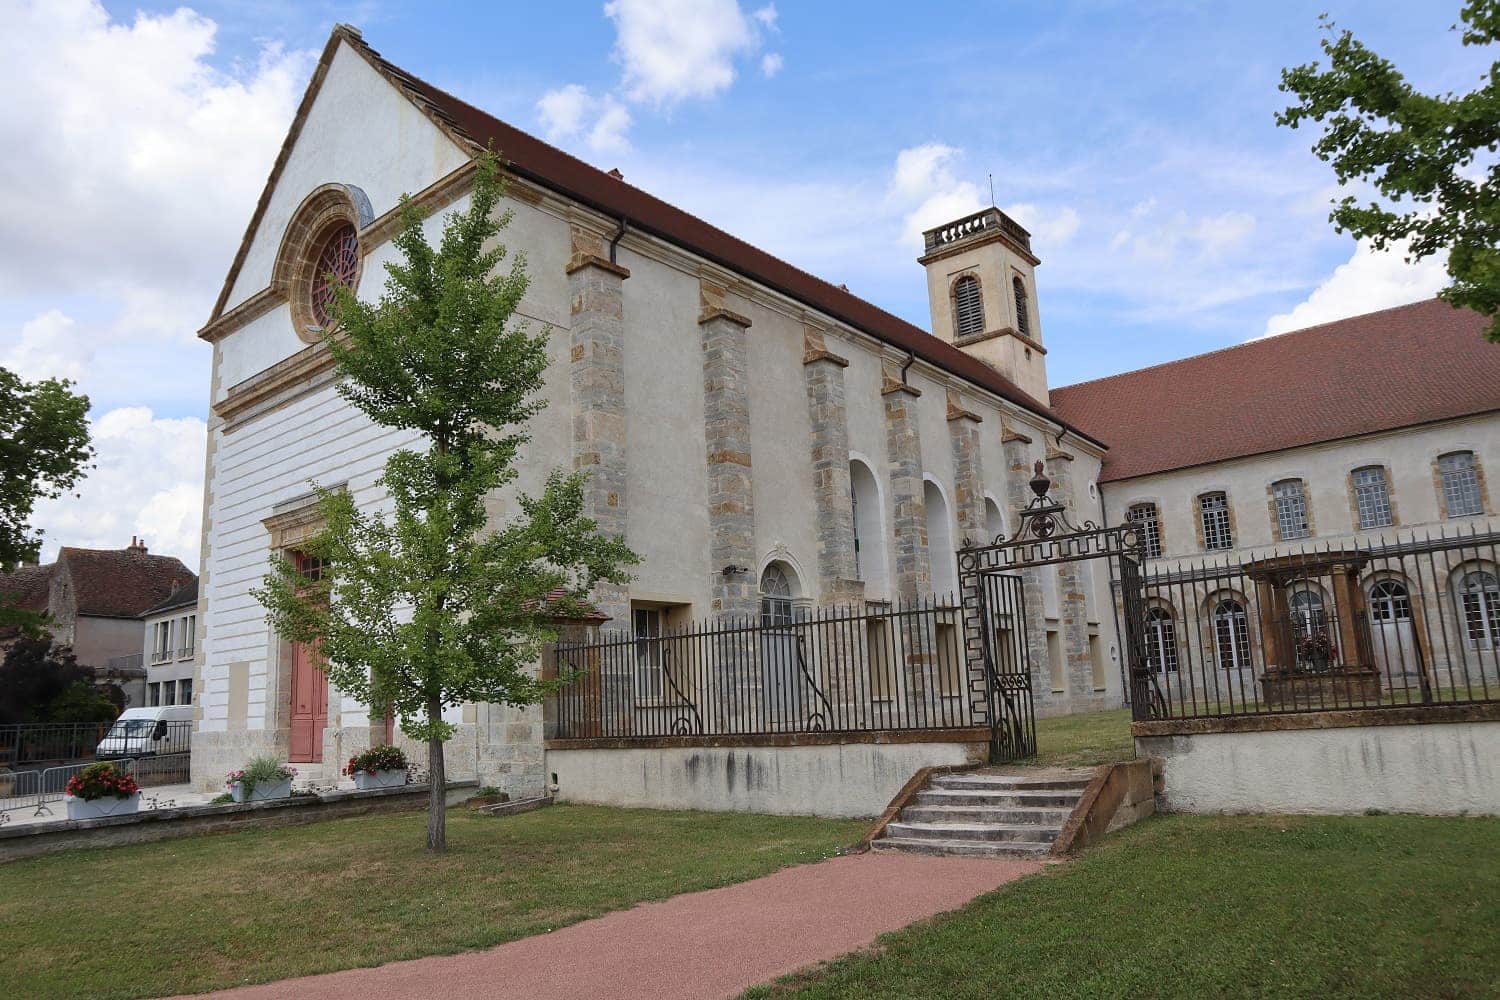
pixel 170 643
pixel 95 599
pixel 769 442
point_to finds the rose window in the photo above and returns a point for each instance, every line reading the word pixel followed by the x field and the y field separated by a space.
pixel 338 264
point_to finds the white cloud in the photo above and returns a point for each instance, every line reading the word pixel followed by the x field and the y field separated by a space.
pixel 671 50
pixel 1051 227
pixel 147 481
pixel 770 64
pixel 130 161
pixel 924 184
pixel 1371 279
pixel 50 346
pixel 571 112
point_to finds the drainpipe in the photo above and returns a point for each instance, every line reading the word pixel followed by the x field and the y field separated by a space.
pixel 911 359
pixel 615 240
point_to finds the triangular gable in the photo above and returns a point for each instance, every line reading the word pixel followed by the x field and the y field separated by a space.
pixel 348 39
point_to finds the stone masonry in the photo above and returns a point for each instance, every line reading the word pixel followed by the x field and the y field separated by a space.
pixel 968 474
pixel 597 375
pixel 1018 461
pixel 913 575
pixel 1073 603
pixel 823 373
pixel 726 421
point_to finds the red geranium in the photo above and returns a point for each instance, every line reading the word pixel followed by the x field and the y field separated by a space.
pixel 102 780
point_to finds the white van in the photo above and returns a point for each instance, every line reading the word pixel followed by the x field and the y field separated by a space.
pixel 148 732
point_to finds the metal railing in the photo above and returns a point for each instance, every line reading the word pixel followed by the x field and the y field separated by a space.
pixel 899 667
pixel 131 662
pixel 32 743
pixel 1347 625
pixel 39 791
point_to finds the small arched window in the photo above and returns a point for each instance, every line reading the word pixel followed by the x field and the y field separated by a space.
pixel 1023 307
pixel 1231 635
pixel 1161 641
pixel 968 307
pixel 775 598
pixel 1479 597
pixel 1390 601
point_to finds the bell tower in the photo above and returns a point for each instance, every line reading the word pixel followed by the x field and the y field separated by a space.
pixel 981 287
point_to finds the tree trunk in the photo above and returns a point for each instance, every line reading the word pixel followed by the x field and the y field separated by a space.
pixel 437 796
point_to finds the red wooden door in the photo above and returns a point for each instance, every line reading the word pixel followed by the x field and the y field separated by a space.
pixel 309 705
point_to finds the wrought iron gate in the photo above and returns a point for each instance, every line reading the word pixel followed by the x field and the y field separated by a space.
pixel 998 634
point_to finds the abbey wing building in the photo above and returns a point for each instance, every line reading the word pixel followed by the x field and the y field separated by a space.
pixel 770 443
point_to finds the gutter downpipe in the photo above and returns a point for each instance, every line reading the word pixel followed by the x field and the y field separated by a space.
pixel 615 240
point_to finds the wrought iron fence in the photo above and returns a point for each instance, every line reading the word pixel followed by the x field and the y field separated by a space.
pixel 30 743
pixel 880 667
pixel 1354 625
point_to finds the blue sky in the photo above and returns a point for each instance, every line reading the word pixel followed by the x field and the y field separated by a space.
pixel 1136 140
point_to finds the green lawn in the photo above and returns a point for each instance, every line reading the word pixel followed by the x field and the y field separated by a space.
pixel 195 914
pixel 1184 906
pixel 1084 740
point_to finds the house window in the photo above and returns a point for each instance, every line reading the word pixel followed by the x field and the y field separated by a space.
pixel 187 630
pixel 338 264
pixel 1144 517
pixel 1372 497
pixel 310 568
pixel 1231 635
pixel 1460 484
pixel 153 695
pixel 649 675
pixel 1023 307
pixel 1161 641
pixel 775 598
pixel 968 308
pixel 1479 595
pixel 161 641
pixel 169 692
pixel 1291 509
pixel 1213 508
pixel 1390 601
pixel 185 691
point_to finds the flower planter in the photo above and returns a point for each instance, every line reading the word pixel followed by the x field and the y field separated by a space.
pixel 1337 687
pixel 364 780
pixel 109 805
pixel 262 792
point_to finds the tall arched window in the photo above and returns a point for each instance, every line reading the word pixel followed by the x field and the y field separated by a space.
pixel 1023 307
pixel 1161 640
pixel 1231 635
pixel 775 598
pixel 968 307
pixel 1307 611
pixel 1479 597
pixel 869 530
pixel 994 520
pixel 941 554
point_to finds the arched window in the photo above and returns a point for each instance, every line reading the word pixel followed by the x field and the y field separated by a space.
pixel 1372 497
pixel 1460 484
pixel 1231 635
pixel 1291 509
pixel 775 598
pixel 994 520
pixel 338 265
pixel 869 530
pixel 1148 524
pixel 1307 611
pixel 1390 601
pixel 1023 307
pixel 1161 641
pixel 941 554
pixel 1479 597
pixel 968 307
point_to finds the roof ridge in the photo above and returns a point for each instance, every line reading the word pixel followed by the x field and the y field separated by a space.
pixel 1253 342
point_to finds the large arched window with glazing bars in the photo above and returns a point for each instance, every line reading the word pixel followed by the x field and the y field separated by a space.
pixel 968 306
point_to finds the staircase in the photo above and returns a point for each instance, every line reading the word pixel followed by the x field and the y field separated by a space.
pixel 985 814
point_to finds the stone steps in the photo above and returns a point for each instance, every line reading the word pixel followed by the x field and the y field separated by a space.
pixel 986 814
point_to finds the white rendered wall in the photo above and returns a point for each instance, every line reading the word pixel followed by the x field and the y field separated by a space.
pixel 1437 768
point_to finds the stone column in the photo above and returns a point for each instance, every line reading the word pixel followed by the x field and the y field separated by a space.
pixel 823 373
pixel 913 576
pixel 968 472
pixel 596 371
pixel 1073 600
pixel 1018 494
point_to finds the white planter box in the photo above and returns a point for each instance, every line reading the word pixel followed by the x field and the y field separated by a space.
pixel 97 808
pixel 363 780
pixel 265 790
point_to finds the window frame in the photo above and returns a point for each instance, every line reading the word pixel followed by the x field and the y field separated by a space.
pixel 1290 508
pixel 1460 483
pixel 1150 531
pixel 1224 528
pixel 968 308
pixel 1022 300
pixel 1372 497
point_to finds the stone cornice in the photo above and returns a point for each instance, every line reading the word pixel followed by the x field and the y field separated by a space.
pixel 580 261
pixel 713 304
pixel 252 308
pixel 1009 434
pixel 956 410
pixel 1008 331
pixel 1057 455
pixel 815 348
pixel 308 369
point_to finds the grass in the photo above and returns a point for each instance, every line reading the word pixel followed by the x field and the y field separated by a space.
pixel 210 912
pixel 1084 740
pixel 1193 906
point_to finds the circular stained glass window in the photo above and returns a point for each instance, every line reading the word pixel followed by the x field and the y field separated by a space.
pixel 338 264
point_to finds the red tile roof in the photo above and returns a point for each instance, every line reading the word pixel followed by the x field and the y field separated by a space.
pixel 1400 367
pixel 27 587
pixel 547 166
pixel 107 583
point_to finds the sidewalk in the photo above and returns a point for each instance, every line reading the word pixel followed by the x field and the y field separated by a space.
pixel 691 947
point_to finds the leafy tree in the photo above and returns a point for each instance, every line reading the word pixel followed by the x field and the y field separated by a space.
pixel 44 451
pixel 432 607
pixel 1430 158
pixel 39 683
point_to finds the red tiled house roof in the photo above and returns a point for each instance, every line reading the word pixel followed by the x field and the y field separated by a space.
pixel 1399 367
pixel 530 158
pixel 106 583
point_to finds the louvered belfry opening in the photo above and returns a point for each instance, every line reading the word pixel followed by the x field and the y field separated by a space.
pixel 968 308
